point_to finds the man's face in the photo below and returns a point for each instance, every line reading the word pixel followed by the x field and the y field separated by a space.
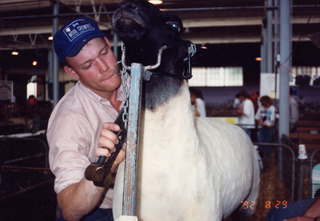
pixel 96 67
pixel 265 104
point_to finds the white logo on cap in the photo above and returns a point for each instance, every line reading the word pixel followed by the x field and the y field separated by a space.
pixel 77 28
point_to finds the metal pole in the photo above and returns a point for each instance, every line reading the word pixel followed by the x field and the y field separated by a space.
pixel 269 36
pixel 276 72
pixel 130 171
pixel 276 53
pixel 55 65
pixel 285 66
pixel 115 45
pixel 263 50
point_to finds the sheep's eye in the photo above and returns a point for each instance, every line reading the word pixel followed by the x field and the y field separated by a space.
pixel 174 26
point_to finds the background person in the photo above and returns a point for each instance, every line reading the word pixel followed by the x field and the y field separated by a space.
pixel 245 111
pixel 293 112
pixel 80 127
pixel 265 117
pixel 198 103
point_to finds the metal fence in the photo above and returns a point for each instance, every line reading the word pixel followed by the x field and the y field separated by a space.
pixel 23 165
pixel 279 159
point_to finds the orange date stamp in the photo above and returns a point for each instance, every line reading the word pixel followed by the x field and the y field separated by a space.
pixel 267 204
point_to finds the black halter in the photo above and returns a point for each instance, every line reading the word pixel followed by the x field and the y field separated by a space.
pixel 187 72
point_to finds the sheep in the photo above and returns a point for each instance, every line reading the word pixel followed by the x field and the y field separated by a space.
pixel 189 168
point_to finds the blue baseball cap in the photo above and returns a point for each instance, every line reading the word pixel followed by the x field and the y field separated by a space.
pixel 69 40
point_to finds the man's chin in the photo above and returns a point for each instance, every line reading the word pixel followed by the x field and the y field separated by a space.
pixel 113 81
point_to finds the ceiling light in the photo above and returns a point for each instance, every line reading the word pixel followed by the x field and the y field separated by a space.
pixel 50 38
pixel 156 2
pixel 258 59
pixel 34 63
pixel 203 46
pixel 14 53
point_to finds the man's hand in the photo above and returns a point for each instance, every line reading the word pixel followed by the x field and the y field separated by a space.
pixel 108 139
pixel 260 122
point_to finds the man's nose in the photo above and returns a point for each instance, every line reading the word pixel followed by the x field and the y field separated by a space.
pixel 102 64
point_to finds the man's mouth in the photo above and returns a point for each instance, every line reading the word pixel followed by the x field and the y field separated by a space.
pixel 108 77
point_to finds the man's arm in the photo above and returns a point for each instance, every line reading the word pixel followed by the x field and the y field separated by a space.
pixel 310 215
pixel 81 198
pixel 314 210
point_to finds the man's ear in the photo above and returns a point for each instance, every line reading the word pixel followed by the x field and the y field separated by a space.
pixel 71 72
pixel 108 42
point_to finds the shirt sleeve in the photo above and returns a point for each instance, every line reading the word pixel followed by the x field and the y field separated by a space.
pixel 69 142
pixel 201 107
pixel 271 116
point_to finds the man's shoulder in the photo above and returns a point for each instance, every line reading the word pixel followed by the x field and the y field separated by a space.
pixel 69 105
pixel 71 100
pixel 248 102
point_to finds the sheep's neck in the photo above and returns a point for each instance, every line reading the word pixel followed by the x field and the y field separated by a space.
pixel 172 118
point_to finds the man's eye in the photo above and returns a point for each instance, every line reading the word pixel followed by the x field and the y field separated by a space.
pixel 104 52
pixel 86 66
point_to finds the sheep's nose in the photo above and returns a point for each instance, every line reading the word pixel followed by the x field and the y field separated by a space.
pixel 132 6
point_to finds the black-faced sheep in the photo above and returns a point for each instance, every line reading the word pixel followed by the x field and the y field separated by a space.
pixel 189 168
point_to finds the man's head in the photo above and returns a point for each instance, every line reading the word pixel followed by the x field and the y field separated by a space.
pixel 266 101
pixel 243 95
pixel 87 55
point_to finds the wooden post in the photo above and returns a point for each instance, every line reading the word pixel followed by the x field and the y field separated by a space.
pixel 130 171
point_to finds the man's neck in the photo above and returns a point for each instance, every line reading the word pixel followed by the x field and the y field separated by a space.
pixel 114 101
pixel 111 97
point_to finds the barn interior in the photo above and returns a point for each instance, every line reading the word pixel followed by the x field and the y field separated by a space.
pixel 268 47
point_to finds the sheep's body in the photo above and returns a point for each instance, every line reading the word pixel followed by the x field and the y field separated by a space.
pixel 195 169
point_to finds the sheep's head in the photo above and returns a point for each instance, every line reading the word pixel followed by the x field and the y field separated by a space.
pixel 144 29
pixel 134 18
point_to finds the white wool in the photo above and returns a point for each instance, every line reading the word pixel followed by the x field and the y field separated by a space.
pixel 190 168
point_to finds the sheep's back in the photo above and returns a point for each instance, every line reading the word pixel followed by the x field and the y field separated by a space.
pixel 231 158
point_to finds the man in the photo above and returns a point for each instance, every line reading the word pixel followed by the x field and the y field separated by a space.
pixel 80 127
pixel 266 117
pixel 245 111
pixel 293 110
pixel 198 103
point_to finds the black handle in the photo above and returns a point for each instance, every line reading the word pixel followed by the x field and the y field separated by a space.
pixel 101 160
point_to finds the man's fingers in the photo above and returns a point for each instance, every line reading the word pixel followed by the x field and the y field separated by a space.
pixel 103 152
pixel 108 135
pixel 111 126
pixel 108 139
pixel 106 144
